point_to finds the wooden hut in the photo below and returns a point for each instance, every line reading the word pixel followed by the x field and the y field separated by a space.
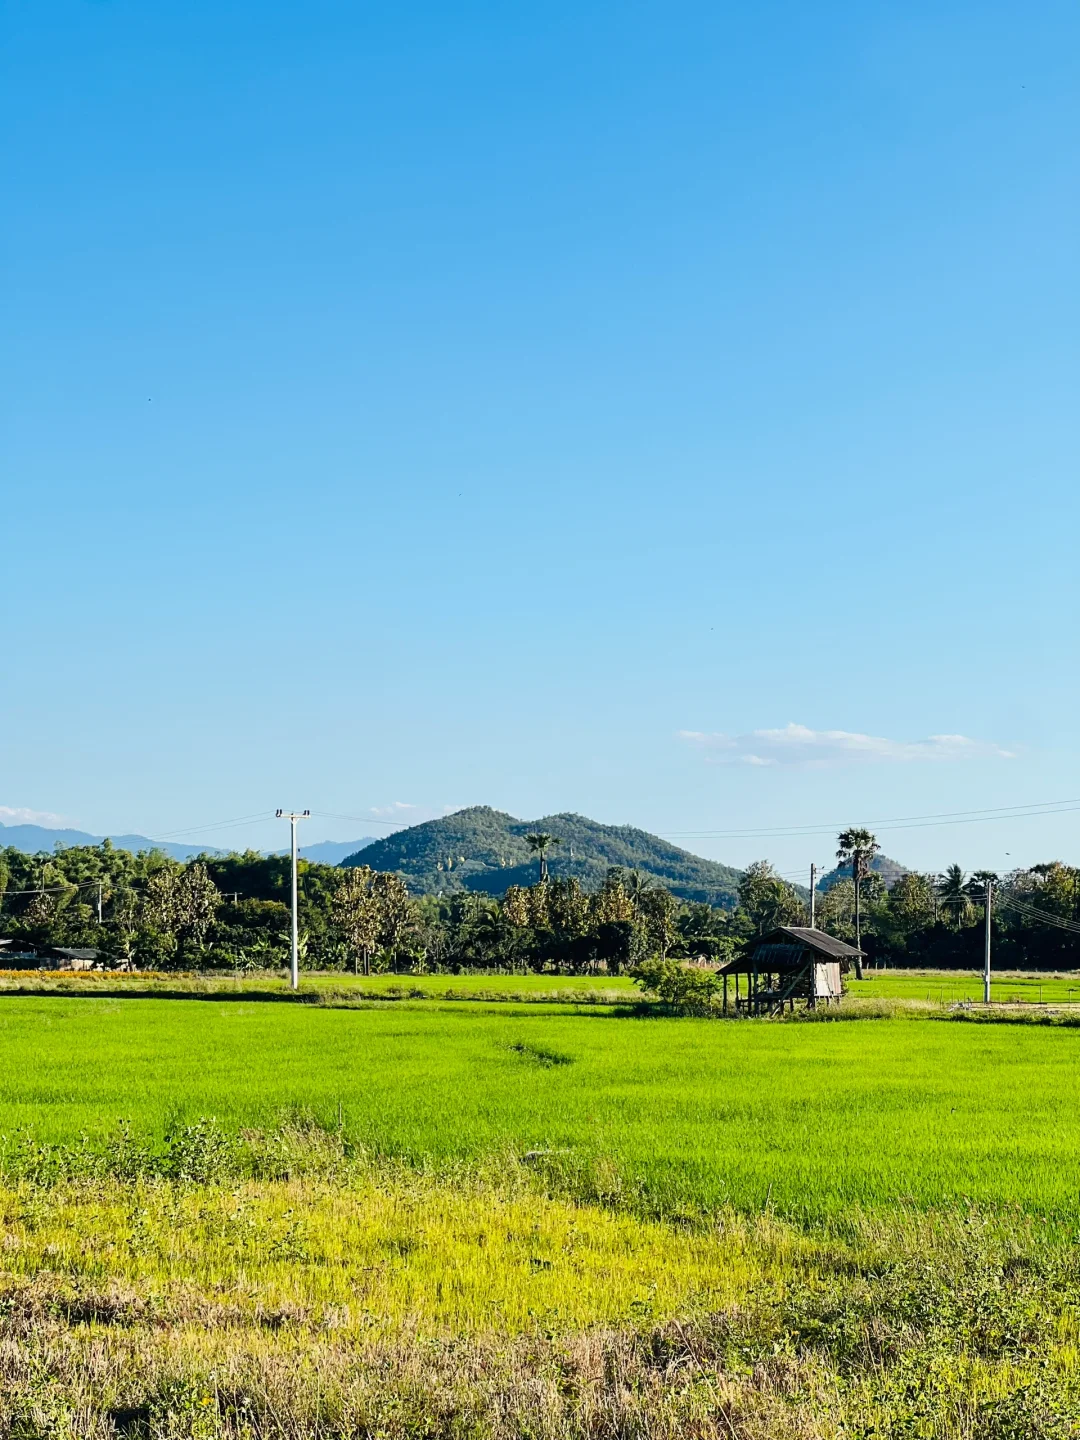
pixel 789 964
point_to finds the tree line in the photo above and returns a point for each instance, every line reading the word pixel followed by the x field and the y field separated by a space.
pixel 148 911
pixel 938 921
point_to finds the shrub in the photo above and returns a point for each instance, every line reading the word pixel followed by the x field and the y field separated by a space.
pixel 685 988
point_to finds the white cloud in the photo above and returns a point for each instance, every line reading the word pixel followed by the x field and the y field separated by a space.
pixel 20 815
pixel 799 745
pixel 395 808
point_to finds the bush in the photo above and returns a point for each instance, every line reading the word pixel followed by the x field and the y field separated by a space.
pixel 685 988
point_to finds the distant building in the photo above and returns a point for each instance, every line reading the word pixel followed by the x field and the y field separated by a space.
pixel 17 954
pixel 792 963
pixel 62 957
pixel 23 955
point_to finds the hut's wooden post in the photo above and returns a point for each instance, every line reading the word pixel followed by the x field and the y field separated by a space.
pixel 725 994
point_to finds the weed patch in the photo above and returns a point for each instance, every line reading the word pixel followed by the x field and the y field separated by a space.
pixel 539 1054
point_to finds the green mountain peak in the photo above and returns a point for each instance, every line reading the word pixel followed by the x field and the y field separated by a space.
pixel 479 848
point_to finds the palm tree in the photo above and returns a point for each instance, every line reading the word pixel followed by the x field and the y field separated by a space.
pixel 857 847
pixel 540 844
pixel 637 884
pixel 487 928
pixel 953 892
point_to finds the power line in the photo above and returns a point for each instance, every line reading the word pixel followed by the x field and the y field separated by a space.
pixel 1032 912
pixel 217 825
pixel 902 822
pixel 399 824
pixel 48 889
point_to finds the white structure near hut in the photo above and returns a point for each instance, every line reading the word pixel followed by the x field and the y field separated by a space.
pixel 789 964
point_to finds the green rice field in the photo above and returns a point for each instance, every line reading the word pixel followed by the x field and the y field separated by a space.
pixel 947 987
pixel 688 1113
pixel 452 1208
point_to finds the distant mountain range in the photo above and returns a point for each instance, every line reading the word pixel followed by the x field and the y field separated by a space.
pixel 484 849
pixel 33 839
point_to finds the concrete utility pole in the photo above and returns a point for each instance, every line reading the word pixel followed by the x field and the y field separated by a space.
pixel 99 901
pixel 293 816
pixel 986 942
pixel 813 896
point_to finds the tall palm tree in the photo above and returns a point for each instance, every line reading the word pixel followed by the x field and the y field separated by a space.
pixel 540 844
pixel 953 892
pixel 857 847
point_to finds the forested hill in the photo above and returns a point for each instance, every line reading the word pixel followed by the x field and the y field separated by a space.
pixel 889 870
pixel 483 849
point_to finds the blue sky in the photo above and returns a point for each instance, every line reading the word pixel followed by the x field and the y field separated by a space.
pixel 543 406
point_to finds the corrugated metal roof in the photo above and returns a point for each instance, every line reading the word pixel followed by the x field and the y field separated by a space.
pixel 817 940
pixel 783 950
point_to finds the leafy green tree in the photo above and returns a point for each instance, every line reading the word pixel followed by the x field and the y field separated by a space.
pixel 396 913
pixel 567 908
pixel 612 905
pixel 704 932
pixel 1056 888
pixel 198 899
pixel 355 914
pixel 476 929
pixel 913 901
pixel 766 900
pixel 515 906
pixel 181 903
pixel 656 910
pixel 124 924
pixel 611 945
pixel 836 910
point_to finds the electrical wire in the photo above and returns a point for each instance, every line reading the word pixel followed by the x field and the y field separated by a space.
pixel 218 825
pixel 903 822
pixel 1032 912
pixel 947 817
pixel 400 824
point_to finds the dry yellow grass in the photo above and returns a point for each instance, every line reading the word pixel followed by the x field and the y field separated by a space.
pixel 374 1258
pixel 396 1307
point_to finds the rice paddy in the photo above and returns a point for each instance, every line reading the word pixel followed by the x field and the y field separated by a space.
pixel 683 1113
pixel 420 1215
pixel 947 987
